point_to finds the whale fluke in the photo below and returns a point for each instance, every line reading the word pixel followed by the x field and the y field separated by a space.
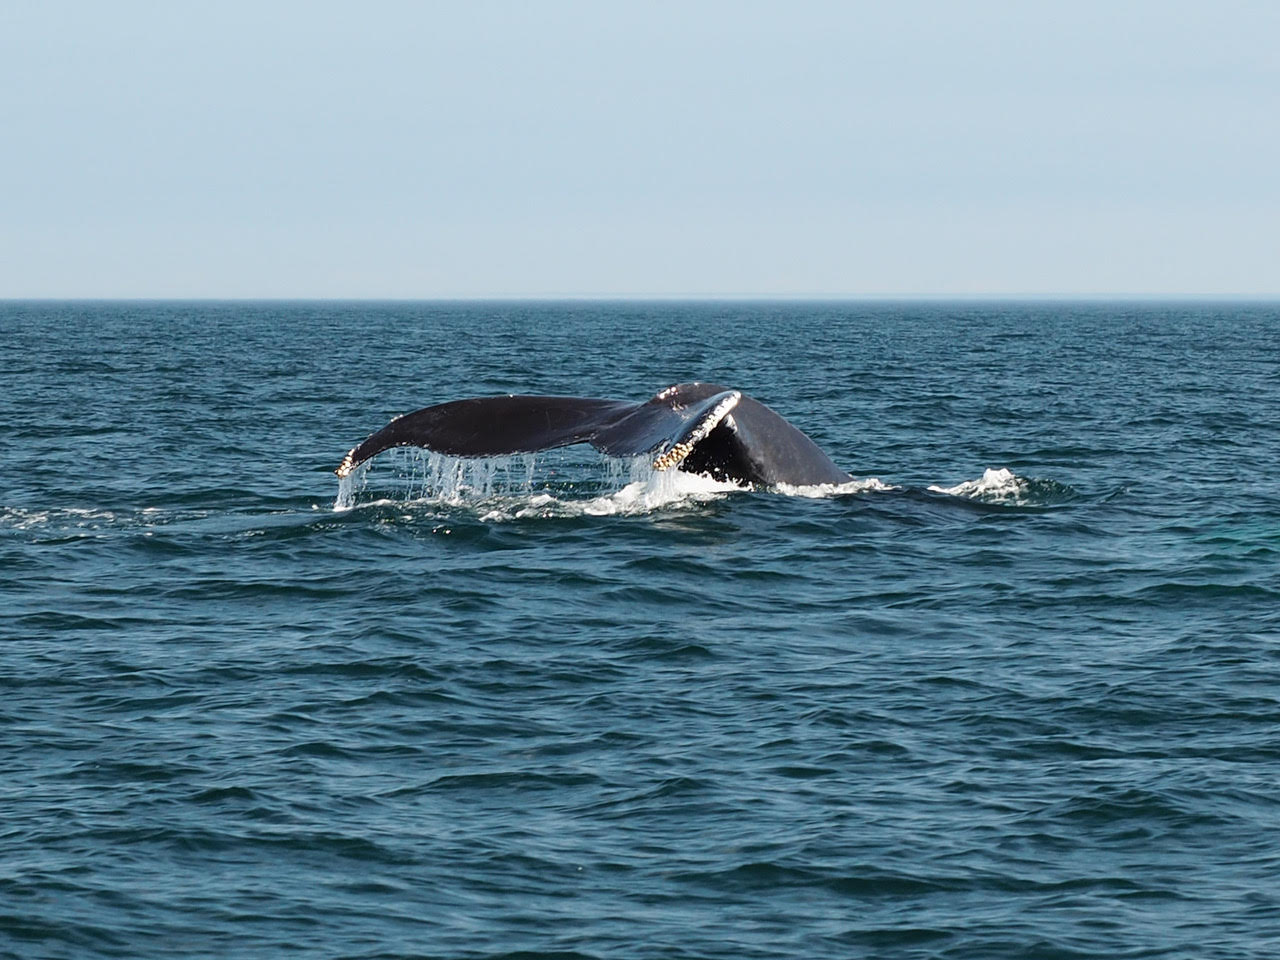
pixel 696 427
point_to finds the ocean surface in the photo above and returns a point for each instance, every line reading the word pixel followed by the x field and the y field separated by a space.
pixel 1012 692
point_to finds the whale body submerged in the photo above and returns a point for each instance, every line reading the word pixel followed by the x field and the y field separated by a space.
pixel 701 428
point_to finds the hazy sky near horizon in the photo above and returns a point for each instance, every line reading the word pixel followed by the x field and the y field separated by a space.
pixel 397 149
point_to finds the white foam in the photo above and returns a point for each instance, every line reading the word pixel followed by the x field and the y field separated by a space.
pixel 647 490
pixel 999 484
pixel 85 521
pixel 652 489
pixel 85 518
pixel 824 490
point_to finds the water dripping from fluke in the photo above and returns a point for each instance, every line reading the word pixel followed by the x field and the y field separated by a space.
pixel 517 486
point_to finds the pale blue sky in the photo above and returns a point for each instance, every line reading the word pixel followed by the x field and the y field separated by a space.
pixel 382 149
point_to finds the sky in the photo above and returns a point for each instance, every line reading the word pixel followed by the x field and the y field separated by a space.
pixel 639 149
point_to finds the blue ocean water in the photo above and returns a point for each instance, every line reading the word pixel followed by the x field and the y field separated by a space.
pixel 1014 693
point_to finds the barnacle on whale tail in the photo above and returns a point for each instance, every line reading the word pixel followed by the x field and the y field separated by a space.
pixel 674 456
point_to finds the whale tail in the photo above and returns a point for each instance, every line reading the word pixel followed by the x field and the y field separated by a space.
pixel 697 427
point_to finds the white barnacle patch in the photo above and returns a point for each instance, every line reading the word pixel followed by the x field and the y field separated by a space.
pixel 347 464
pixel 675 456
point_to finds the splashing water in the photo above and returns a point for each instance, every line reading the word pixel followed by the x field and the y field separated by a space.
pixel 994 484
pixel 350 486
pixel 1003 486
pixel 530 485
pixel 820 491
pixel 553 484
pixel 559 484
pixel 424 475
pixel 648 490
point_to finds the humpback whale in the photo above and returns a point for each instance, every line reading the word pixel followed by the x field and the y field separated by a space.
pixel 701 428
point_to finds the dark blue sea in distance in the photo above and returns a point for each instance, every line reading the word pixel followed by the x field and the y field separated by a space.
pixel 1017 697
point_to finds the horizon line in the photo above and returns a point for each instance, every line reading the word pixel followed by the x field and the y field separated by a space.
pixel 677 298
